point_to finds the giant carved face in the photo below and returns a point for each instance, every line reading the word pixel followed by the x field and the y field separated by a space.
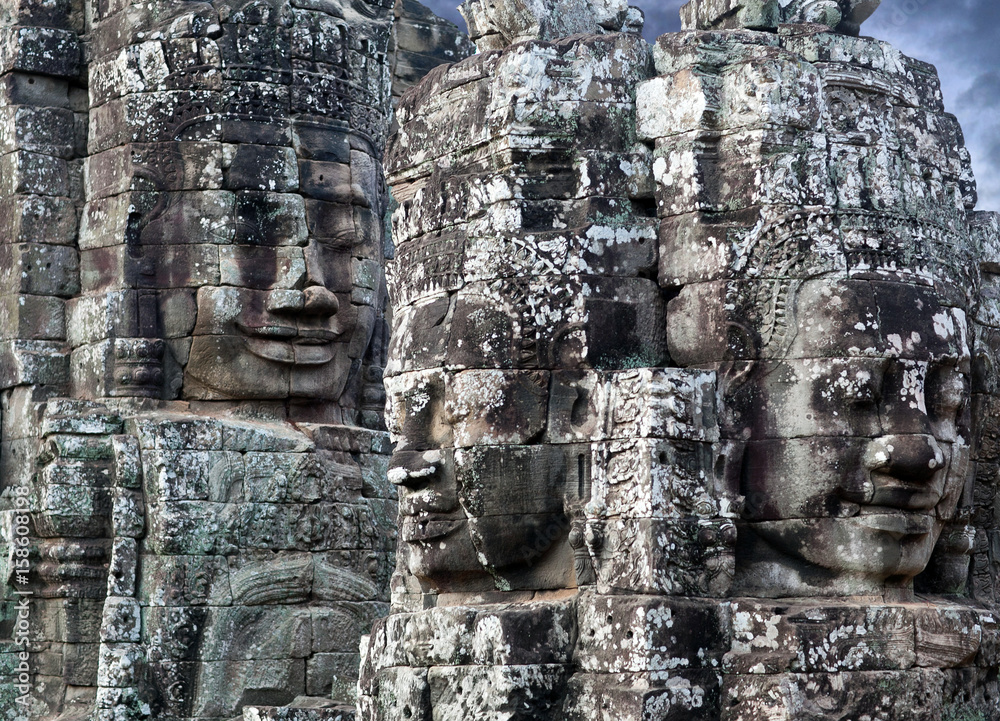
pixel 485 475
pixel 844 16
pixel 481 500
pixel 859 439
pixel 294 315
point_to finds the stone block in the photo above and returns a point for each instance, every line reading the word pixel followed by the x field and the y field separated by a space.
pixel 324 710
pixel 677 695
pixel 67 415
pixel 336 626
pixel 127 461
pixel 634 557
pixel 296 526
pixel 122 570
pixel 662 403
pixel 38 269
pixel 128 519
pixel 947 637
pixel 75 473
pixel 300 477
pixel 395 691
pixel 120 623
pixel 238 436
pixel 38 219
pixel 271 219
pixel 516 414
pixel 34 174
pixel 518 692
pixel 284 577
pixel 245 633
pixel 48 131
pixel 333 675
pixel 80 661
pixel 192 527
pixel 619 634
pixel 170 475
pixel 266 268
pixel 154 117
pixel 349 575
pixel 83 506
pixel 658 479
pixel 32 317
pixel 272 682
pixel 192 166
pixel 120 665
pixel 177 432
pixel 48 51
pixel 184 580
pixel 893 695
pixel 159 217
pixel 158 266
pixel 19 88
pixel 820 638
pixel 260 167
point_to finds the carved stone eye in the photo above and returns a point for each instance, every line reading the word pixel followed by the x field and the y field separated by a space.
pixel 947 392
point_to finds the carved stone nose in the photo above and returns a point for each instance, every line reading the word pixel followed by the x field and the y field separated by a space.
pixel 915 457
pixel 414 468
pixel 320 301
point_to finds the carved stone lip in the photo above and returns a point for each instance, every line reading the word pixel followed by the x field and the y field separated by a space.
pixel 292 334
pixel 427 528
pixel 315 336
pixel 272 330
pixel 906 496
pixel 897 521
pixel 420 503
pixel 289 345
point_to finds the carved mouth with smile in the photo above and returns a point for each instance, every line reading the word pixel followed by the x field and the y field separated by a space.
pixel 289 344
pixel 428 528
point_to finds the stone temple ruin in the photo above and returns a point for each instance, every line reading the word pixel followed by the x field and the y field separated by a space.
pixel 691 394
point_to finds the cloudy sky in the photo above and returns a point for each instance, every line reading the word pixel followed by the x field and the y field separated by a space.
pixel 960 37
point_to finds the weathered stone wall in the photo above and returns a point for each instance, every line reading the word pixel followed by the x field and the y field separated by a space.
pixel 772 516
pixel 192 456
pixel 692 378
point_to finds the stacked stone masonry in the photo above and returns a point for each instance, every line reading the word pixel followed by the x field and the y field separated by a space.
pixel 689 409
pixel 688 374
pixel 196 521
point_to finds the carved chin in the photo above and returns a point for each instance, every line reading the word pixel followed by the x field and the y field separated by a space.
pixel 879 545
pixel 440 553
pixel 235 367
pixel 286 353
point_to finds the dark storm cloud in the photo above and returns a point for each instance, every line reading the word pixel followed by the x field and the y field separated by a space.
pixel 661 17
pixel 960 37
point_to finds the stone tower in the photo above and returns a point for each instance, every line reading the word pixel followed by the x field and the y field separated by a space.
pixel 196 517
pixel 691 350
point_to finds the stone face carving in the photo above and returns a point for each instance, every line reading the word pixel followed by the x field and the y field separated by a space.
pixel 489 483
pixel 494 25
pixel 422 41
pixel 594 526
pixel 193 466
pixel 265 263
pixel 843 16
pixel 840 317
